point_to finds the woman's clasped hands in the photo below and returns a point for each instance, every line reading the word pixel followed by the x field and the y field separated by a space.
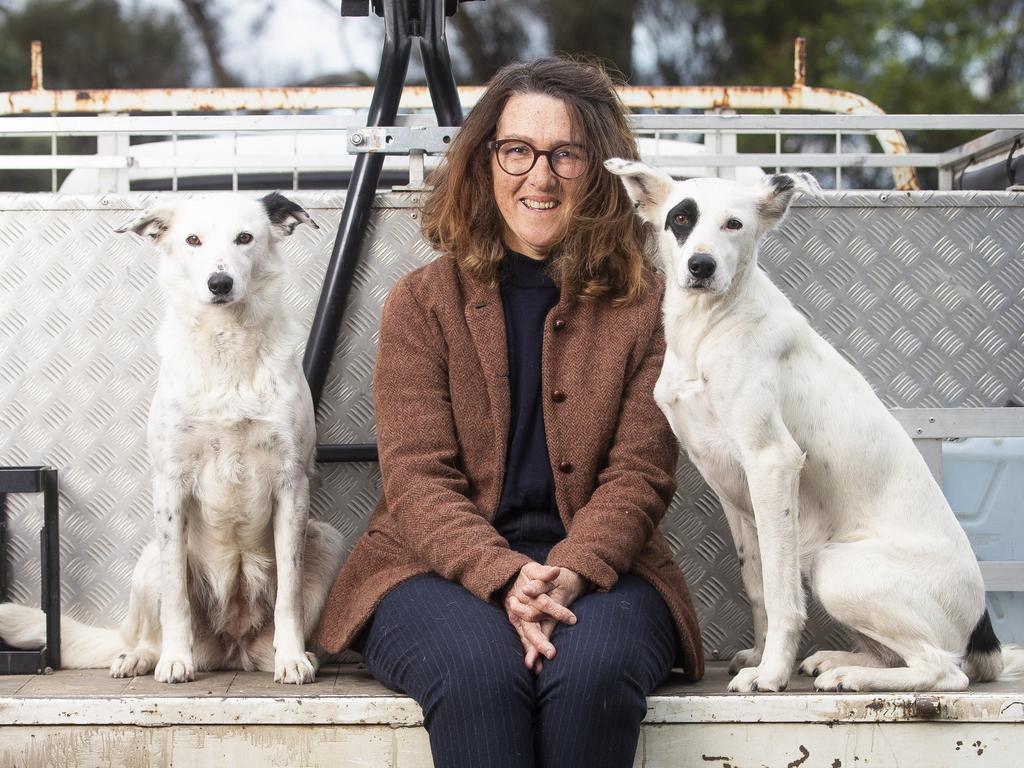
pixel 538 599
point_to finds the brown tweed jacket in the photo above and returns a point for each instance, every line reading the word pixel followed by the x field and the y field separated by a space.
pixel 442 402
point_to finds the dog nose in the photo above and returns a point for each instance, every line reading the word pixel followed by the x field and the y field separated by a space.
pixel 220 284
pixel 701 265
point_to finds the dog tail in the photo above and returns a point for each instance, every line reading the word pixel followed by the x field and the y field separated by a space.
pixel 987 659
pixel 1013 662
pixel 81 646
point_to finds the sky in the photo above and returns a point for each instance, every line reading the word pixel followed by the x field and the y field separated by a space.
pixel 300 39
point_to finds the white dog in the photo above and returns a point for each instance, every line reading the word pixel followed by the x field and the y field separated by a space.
pixel 236 576
pixel 814 474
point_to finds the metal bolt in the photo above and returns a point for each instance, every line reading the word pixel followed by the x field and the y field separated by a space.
pixel 883 197
pixel 920 431
pixel 356 138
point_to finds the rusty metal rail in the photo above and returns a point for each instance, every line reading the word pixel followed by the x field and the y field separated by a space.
pixel 798 97
pixel 663 123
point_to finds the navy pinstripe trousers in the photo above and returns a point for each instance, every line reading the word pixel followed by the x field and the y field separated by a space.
pixel 460 658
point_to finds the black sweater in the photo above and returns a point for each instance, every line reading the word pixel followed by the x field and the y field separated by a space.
pixel 527 513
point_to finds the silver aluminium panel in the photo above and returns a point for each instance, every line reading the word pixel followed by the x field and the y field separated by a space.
pixel 920 291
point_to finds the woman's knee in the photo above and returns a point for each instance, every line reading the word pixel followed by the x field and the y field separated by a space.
pixel 479 684
pixel 583 676
pixel 623 640
pixel 492 671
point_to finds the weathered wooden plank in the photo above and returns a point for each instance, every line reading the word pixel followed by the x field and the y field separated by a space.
pixel 11 684
pixel 75 682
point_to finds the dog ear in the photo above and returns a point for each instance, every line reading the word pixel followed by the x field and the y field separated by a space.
pixel 777 191
pixel 647 187
pixel 153 224
pixel 285 215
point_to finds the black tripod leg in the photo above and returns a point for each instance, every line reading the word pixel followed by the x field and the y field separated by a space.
pixel 330 311
pixel 437 64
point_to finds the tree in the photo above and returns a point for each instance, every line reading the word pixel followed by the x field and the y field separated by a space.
pixel 925 56
pixel 93 44
pixel 87 44
pixel 205 18
pixel 600 28
pixel 488 35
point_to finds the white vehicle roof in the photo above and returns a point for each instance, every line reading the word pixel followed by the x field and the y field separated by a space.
pixel 321 160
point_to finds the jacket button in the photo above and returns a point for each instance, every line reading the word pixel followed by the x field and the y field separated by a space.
pixel 565 467
pixel 558 396
pixel 559 324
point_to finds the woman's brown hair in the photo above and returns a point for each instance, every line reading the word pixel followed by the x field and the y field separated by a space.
pixel 605 248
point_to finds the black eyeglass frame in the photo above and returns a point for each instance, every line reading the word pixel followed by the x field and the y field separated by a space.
pixel 497 144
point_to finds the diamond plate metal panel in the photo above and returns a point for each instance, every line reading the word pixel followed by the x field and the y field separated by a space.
pixel 920 291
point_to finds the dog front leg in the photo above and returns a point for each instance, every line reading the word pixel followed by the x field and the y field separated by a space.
pixel 291 511
pixel 175 664
pixel 744 536
pixel 774 477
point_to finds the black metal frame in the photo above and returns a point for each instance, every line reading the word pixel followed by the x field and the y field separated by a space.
pixel 35 480
pixel 403 20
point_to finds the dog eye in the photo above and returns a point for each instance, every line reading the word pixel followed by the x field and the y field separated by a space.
pixel 681 219
pixel 194 241
pixel 734 224
pixel 244 238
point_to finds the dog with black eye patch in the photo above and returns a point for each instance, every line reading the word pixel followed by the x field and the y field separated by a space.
pixel 237 574
pixel 816 478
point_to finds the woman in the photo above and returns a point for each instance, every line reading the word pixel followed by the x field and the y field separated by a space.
pixel 512 578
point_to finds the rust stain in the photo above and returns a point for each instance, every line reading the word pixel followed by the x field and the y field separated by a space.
pixel 917 708
pixel 799 62
pixel 798 96
pixel 417 97
pixel 36 53
pixel 927 707
pixel 804 754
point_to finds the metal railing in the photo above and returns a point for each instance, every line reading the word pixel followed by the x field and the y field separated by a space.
pixel 146 152
pixel 688 130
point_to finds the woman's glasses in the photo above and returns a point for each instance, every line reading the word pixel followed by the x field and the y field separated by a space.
pixel 517 158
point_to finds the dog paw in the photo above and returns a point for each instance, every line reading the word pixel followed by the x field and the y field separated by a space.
pixel 819 662
pixel 840 679
pixel 751 657
pixel 314 660
pixel 131 664
pixel 174 669
pixel 759 678
pixel 296 670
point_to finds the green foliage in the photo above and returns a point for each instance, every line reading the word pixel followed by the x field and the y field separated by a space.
pixel 924 56
pixel 908 56
pixel 597 28
pixel 86 44
pixel 93 44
